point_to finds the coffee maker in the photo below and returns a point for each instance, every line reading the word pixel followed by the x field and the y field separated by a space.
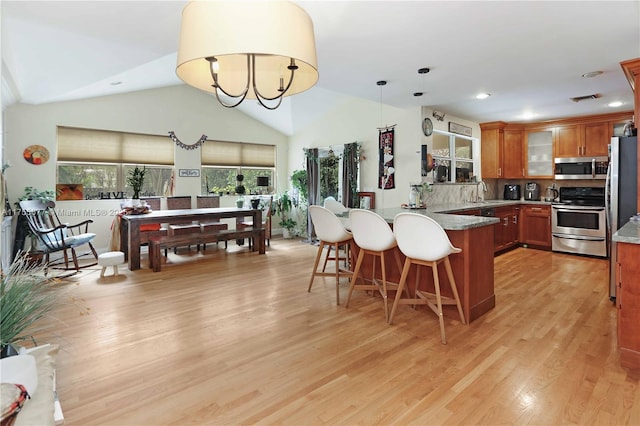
pixel 532 191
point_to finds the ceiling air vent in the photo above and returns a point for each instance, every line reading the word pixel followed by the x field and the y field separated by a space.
pixel 584 98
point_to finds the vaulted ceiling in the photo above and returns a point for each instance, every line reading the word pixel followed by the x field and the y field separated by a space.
pixel 529 55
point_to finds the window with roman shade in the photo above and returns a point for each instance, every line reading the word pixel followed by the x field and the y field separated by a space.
pixel 100 160
pixel 223 161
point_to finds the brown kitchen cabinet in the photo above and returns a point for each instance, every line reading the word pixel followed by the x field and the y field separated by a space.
pixel 506 233
pixel 582 140
pixel 492 141
pixel 596 139
pixel 535 226
pixel 567 142
pixel 628 304
pixel 501 151
pixel 512 154
pixel 472 212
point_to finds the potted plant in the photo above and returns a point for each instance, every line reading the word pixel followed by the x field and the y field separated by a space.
pixel 299 182
pixel 136 180
pixel 240 190
pixel 284 205
pixel 25 297
pixel 22 227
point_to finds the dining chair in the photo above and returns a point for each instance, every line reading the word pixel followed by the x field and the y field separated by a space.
pixel 373 236
pixel 425 243
pixel 210 202
pixel 152 229
pixel 266 221
pixel 178 203
pixel 330 233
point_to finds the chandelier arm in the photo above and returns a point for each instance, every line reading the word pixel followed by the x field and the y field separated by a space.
pixel 267 106
pixel 230 105
pixel 217 86
pixel 255 88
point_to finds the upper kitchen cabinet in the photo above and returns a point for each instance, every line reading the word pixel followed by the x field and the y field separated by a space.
pixel 583 140
pixel 501 151
pixel 519 150
pixel 491 147
pixel 596 139
pixel 567 142
pixel 540 153
pixel 512 158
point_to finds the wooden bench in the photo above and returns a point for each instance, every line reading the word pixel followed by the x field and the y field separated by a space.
pixel 159 243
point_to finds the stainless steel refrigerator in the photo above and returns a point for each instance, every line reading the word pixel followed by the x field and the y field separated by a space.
pixel 622 193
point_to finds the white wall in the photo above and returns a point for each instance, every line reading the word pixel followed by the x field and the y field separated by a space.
pixel 357 120
pixel 185 110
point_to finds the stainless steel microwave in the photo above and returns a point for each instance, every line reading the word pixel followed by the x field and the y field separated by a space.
pixel 581 168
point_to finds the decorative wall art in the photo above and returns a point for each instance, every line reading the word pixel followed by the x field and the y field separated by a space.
pixel 36 154
pixel 459 129
pixel 386 170
pixel 69 191
pixel 182 145
pixel 189 172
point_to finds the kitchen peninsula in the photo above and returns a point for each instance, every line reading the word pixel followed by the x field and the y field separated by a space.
pixel 472 268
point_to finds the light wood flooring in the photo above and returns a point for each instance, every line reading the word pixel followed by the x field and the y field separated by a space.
pixel 234 338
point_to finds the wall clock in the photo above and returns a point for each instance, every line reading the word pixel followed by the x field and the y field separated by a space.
pixel 427 126
pixel 36 154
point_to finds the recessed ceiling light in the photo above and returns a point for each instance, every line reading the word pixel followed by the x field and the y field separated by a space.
pixel 483 95
pixel 115 83
pixel 418 94
pixel 527 116
pixel 615 104
pixel 591 74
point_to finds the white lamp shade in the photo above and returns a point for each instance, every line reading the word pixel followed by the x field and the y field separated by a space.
pixel 275 31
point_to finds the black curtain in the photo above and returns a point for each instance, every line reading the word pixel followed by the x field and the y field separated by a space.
pixel 313 187
pixel 350 175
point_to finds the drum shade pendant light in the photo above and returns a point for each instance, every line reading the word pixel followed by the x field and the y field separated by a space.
pixel 262 50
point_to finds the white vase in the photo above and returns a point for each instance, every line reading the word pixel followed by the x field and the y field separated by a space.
pixel 285 233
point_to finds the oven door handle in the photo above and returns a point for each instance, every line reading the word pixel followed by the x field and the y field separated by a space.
pixel 577 237
pixel 570 210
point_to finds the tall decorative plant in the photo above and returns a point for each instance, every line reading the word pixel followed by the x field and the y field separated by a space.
pixel 136 180
pixel 284 205
pixel 25 297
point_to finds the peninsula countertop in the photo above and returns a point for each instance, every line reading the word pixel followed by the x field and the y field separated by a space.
pixel 441 213
pixel 629 233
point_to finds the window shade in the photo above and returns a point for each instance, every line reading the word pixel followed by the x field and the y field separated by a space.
pixel 103 146
pixel 218 153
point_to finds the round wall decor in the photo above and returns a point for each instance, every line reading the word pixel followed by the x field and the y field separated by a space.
pixel 36 154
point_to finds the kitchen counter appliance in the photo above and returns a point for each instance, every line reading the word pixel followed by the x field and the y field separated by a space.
pixel 581 168
pixel 622 193
pixel 511 192
pixel 578 221
pixel 551 194
pixel 532 191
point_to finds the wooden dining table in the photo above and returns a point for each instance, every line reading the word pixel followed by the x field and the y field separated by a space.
pixel 130 225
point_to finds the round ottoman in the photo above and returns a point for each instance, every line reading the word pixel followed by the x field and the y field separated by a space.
pixel 110 258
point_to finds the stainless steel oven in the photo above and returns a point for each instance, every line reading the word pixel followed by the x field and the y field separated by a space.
pixel 578 222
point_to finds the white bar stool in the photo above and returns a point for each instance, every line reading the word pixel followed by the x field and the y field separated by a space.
pixel 331 233
pixel 424 242
pixel 373 236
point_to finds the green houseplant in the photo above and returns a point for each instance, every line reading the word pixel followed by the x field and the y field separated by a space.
pixel 284 205
pixel 25 297
pixel 136 180
pixel 299 182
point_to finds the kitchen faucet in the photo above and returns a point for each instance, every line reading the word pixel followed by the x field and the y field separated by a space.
pixel 484 189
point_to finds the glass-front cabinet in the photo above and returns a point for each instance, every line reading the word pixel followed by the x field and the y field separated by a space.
pixel 540 153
